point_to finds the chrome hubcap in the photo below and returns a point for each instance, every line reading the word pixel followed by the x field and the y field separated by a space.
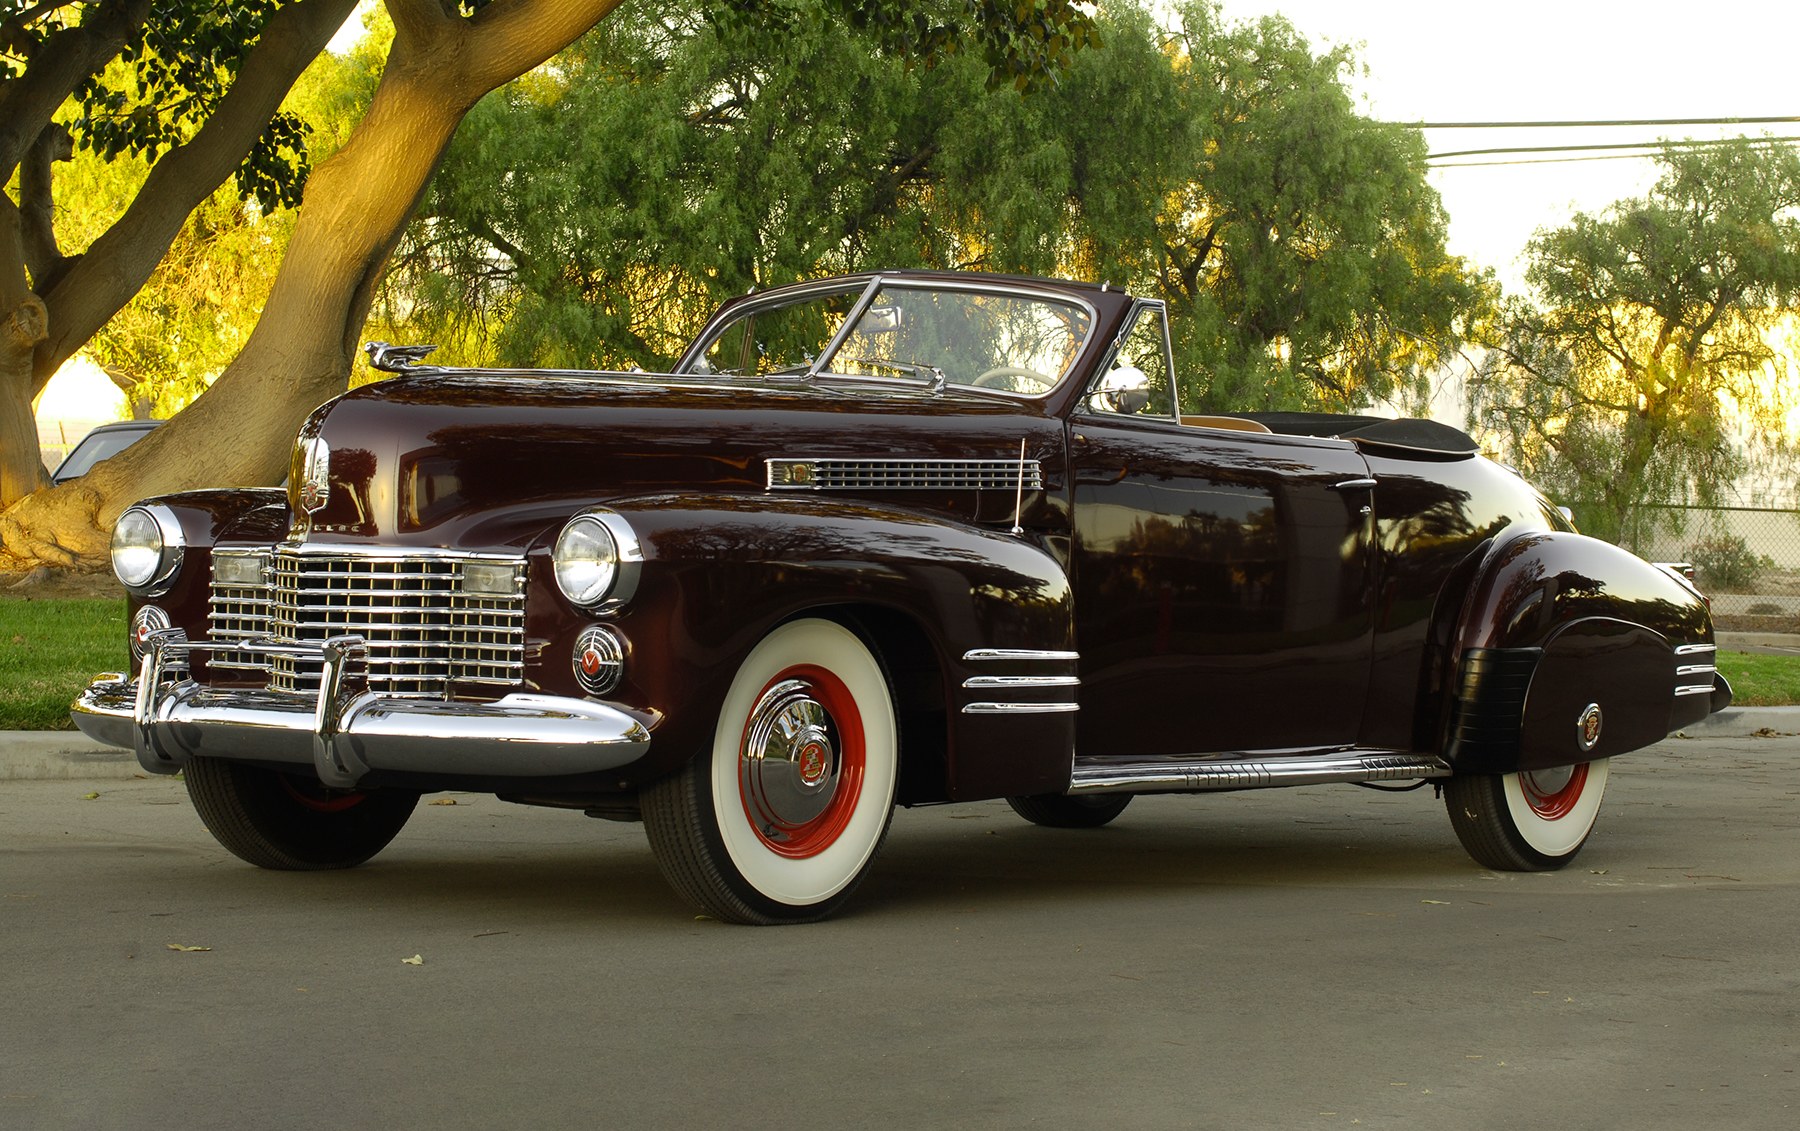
pixel 789 765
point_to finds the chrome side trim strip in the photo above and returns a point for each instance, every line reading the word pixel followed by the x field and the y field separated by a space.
pixel 1695 689
pixel 981 654
pixel 1025 681
pixel 1695 669
pixel 1019 708
pixel 1691 649
pixel 1115 775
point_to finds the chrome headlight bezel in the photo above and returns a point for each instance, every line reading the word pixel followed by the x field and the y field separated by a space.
pixel 147 549
pixel 595 560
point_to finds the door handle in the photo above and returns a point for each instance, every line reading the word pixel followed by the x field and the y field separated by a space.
pixel 1353 485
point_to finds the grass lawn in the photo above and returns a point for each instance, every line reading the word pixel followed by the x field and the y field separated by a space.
pixel 1761 681
pixel 49 651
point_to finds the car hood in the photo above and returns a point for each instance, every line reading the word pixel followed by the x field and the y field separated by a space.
pixel 436 459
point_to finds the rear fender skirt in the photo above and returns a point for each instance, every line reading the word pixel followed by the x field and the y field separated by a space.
pixel 1559 623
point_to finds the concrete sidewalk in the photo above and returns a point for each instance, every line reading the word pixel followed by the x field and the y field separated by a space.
pixel 62 755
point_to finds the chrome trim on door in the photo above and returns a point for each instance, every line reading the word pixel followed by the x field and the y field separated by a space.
pixel 1022 681
pixel 980 654
pixel 1019 708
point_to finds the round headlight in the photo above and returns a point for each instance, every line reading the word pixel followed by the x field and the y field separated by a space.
pixel 587 560
pixel 596 559
pixel 146 548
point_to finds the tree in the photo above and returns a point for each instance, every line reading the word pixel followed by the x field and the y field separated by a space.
pixel 202 104
pixel 443 60
pixel 1652 336
pixel 1305 247
pixel 593 219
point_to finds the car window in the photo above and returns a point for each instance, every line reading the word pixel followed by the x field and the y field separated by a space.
pixel 1139 381
pixel 982 338
pixel 782 339
pixel 94 447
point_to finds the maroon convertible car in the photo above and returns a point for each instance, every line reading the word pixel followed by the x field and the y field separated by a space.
pixel 894 538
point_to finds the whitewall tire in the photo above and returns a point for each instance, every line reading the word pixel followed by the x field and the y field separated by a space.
pixel 1530 821
pixel 778 822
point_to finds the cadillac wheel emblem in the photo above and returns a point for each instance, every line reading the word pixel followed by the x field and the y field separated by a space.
pixel 1587 727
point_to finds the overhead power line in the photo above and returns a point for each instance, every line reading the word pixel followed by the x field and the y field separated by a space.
pixel 1573 124
pixel 1701 143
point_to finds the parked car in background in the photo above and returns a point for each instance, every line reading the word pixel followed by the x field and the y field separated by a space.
pixel 892 538
pixel 104 442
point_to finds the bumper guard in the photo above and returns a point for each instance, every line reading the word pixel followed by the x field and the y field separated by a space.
pixel 348 731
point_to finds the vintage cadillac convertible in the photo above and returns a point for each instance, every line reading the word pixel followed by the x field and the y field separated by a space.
pixel 895 538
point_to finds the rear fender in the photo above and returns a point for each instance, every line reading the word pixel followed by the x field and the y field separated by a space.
pixel 1570 649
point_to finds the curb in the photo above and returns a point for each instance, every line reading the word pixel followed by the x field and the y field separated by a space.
pixel 62 755
pixel 1744 722
pixel 66 755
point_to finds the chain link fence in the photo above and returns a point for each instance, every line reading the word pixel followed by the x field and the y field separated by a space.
pixel 1747 559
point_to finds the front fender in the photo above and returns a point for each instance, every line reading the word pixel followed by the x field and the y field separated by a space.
pixel 719 572
pixel 1561 631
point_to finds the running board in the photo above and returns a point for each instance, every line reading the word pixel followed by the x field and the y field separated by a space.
pixel 1162 775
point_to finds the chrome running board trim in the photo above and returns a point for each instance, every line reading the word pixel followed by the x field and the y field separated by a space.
pixel 1139 775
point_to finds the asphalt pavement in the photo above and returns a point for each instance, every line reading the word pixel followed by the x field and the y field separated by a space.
pixel 1311 958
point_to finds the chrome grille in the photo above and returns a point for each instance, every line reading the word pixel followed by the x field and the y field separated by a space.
pixel 422 628
pixel 239 609
pixel 904 474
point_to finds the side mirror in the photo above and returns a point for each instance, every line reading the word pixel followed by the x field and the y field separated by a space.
pixel 1125 390
pixel 881 320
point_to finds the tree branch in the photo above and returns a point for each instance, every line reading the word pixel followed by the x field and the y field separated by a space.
pixel 65 58
pixel 120 261
pixel 513 36
pixel 37 207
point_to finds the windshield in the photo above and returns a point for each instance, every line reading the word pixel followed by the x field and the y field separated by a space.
pixel 1003 340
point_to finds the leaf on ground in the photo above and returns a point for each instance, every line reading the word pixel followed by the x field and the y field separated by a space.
pixel 444 801
pixel 1436 902
pixel 90 796
pixel 187 949
pixel 415 960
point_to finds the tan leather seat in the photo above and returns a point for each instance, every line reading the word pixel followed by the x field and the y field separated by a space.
pixel 1235 423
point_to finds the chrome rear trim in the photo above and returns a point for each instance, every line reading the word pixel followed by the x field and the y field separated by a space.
pixel 1134 775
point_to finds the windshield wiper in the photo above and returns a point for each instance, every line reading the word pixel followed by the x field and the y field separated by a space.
pixel 930 374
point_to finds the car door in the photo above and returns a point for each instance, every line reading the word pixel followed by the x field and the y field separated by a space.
pixel 1223 576
pixel 1222 585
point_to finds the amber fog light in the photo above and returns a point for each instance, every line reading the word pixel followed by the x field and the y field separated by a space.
pixel 599 660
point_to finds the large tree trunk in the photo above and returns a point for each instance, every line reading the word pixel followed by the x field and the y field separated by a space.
pixel 356 206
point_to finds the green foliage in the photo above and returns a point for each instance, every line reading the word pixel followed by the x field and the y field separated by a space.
pixel 49 651
pixel 1724 563
pixel 593 216
pixel 179 64
pixel 202 301
pixel 1647 371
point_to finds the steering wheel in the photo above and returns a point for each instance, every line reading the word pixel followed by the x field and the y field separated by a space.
pixel 1006 376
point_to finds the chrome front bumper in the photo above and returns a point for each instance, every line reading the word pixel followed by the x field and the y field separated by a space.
pixel 347 732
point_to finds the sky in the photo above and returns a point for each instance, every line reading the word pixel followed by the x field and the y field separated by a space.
pixel 1534 60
